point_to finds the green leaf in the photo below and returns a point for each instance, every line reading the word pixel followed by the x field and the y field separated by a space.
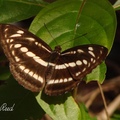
pixel 16 10
pixel 62 107
pixel 24 102
pixel 83 113
pixel 98 73
pixel 96 25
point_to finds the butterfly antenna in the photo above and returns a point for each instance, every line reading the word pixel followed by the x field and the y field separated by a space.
pixel 50 34
pixel 74 39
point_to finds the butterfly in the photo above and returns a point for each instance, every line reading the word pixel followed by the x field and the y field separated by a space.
pixel 36 66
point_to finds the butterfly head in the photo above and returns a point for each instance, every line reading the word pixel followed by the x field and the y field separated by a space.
pixel 58 49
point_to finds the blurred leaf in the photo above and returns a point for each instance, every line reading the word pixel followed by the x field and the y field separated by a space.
pixel 4 73
pixel 4 70
pixel 117 5
pixel 16 10
pixel 116 116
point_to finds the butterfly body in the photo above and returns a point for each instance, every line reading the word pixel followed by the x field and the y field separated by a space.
pixel 36 66
pixel 54 57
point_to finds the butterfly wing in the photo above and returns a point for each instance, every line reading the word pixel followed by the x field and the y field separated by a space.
pixel 61 80
pixel 81 60
pixel 27 54
pixel 74 64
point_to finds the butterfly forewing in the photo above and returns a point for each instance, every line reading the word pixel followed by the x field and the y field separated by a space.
pixel 81 60
pixel 27 54
pixel 35 66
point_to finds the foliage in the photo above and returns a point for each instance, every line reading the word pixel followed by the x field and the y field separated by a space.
pixel 77 21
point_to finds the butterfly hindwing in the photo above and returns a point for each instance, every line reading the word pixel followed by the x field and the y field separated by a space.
pixel 61 80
